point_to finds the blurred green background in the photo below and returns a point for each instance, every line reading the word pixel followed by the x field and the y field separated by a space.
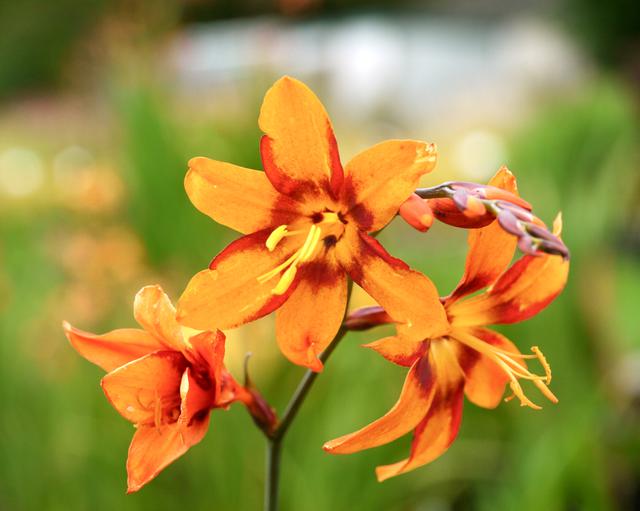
pixel 101 105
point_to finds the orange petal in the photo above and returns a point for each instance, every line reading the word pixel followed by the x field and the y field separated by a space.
pixel 412 406
pixel 491 248
pixel 153 448
pixel 240 198
pixel 207 354
pixel 433 436
pixel 147 390
pixel 310 319
pixel 520 293
pixel 299 150
pixel 484 380
pixel 154 311
pixel 112 349
pixel 229 294
pixel 408 296
pixel 381 178
pixel 400 351
pixel 196 401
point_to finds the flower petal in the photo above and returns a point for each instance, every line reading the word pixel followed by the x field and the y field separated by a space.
pixel 228 294
pixel 112 349
pixel 491 248
pixel 207 353
pixel 196 399
pixel 153 448
pixel 299 150
pixel 154 311
pixel 147 390
pixel 381 178
pixel 310 319
pixel 240 198
pixel 434 434
pixel 484 380
pixel 520 293
pixel 408 296
pixel 412 406
pixel 398 350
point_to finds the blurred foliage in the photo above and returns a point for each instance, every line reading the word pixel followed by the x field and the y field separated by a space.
pixel 38 37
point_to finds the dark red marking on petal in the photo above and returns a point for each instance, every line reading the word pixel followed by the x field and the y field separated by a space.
pixel 248 241
pixel 335 165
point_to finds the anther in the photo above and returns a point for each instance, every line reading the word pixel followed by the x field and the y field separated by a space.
pixel 276 237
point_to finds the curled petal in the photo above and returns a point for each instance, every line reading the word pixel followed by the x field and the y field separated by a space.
pixel 408 296
pixel 112 349
pixel 381 178
pixel 229 294
pixel 311 317
pixel 411 408
pixel 154 311
pixel 240 198
pixel 299 150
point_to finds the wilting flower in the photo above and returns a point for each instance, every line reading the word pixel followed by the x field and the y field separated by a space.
pixel 163 382
pixel 469 358
pixel 306 221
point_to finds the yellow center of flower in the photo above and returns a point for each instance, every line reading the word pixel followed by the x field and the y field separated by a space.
pixel 328 225
pixel 512 364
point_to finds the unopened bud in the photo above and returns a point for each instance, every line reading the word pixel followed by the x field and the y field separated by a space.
pixel 475 208
pixel 367 317
pixel 448 213
pixel 417 213
pixel 261 412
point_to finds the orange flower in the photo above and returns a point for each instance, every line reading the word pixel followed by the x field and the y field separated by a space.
pixel 163 382
pixel 470 359
pixel 306 221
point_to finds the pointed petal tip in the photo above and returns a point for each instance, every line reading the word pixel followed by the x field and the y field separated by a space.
pixel 384 472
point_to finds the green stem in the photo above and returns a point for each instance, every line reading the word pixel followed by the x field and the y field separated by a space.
pixel 274 441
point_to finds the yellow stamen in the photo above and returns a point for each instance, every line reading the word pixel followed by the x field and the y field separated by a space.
pixel 275 237
pixel 514 369
pixel 285 281
pixel 304 253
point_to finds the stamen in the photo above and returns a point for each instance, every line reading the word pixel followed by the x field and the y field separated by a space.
pixel 275 237
pixel 514 369
pixel 285 281
pixel 303 254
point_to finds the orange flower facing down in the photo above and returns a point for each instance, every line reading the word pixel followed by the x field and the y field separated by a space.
pixel 470 359
pixel 306 221
pixel 161 381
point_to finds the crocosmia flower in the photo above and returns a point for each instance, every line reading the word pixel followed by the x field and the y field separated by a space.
pixel 306 221
pixel 162 381
pixel 470 358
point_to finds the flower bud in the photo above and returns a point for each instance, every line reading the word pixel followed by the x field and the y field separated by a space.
pixel 417 213
pixel 366 317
